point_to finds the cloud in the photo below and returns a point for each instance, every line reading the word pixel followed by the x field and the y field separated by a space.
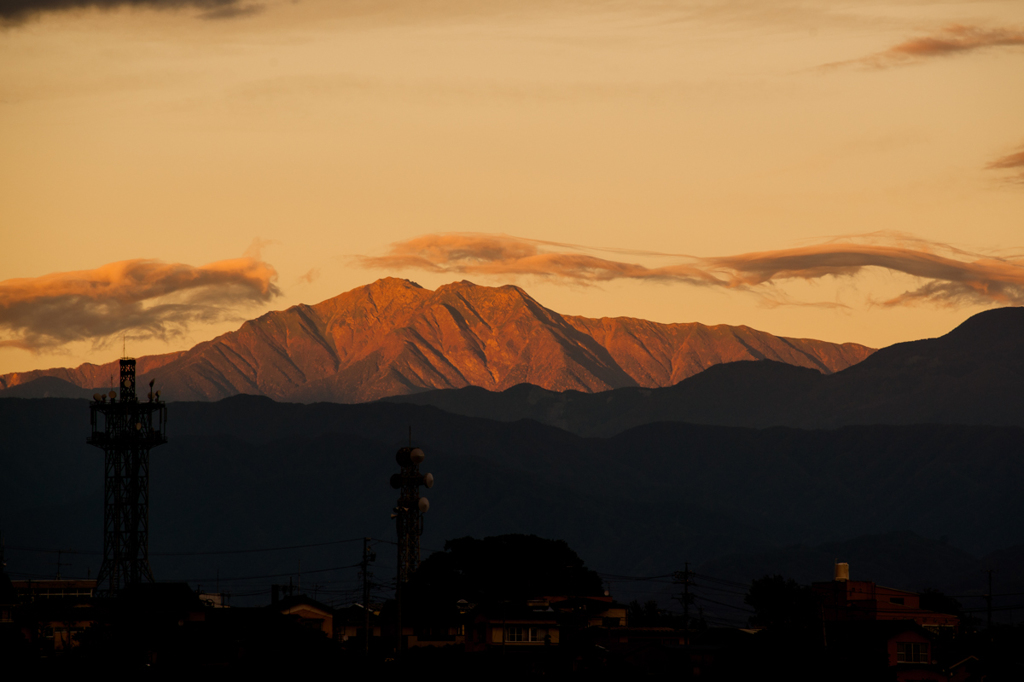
pixel 950 276
pixel 17 11
pixel 147 297
pixel 311 276
pixel 1013 161
pixel 952 40
pixel 232 11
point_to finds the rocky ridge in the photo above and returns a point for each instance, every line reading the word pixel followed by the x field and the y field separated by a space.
pixel 393 337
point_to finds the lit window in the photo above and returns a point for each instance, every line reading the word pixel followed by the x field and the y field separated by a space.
pixel 515 633
pixel 911 652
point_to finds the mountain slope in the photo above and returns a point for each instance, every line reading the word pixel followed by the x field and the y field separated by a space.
pixel 86 375
pixel 973 375
pixel 393 337
pixel 665 354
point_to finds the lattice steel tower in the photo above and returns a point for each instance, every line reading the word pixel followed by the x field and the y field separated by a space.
pixel 126 430
pixel 408 513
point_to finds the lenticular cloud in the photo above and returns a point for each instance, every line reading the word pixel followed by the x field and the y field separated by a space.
pixel 147 297
pixel 956 39
pixel 948 276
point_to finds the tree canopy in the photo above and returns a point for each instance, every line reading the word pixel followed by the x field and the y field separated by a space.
pixel 504 567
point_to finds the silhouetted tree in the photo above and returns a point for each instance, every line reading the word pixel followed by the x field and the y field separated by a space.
pixel 934 600
pixel 647 615
pixel 782 604
pixel 502 568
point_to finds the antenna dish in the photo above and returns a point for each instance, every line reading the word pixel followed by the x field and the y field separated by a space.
pixel 424 505
pixel 417 456
pixel 428 480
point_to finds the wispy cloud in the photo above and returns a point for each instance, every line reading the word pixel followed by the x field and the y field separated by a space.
pixel 950 276
pixel 951 40
pixel 147 297
pixel 232 11
pixel 17 11
pixel 1012 162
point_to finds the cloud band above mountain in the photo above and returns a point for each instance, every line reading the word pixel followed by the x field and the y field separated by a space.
pixel 1011 162
pixel 950 276
pixel 952 40
pixel 146 297
pixel 16 11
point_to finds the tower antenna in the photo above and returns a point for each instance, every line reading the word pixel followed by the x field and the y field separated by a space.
pixel 408 516
pixel 126 430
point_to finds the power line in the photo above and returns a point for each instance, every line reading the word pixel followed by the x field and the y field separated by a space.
pixel 259 549
pixel 728 606
pixel 614 576
pixel 269 575
pixel 39 550
pixel 193 553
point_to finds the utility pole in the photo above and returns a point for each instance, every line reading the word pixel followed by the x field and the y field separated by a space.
pixel 988 602
pixel 683 577
pixel 686 600
pixel 60 563
pixel 364 571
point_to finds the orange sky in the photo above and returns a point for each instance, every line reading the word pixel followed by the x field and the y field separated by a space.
pixel 331 130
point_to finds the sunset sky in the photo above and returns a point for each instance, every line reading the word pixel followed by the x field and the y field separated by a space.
pixel 848 171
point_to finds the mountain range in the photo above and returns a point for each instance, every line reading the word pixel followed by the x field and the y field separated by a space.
pixel 909 463
pixel 394 337
pixel 972 375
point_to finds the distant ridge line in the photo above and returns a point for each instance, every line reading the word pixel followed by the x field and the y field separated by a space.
pixel 393 337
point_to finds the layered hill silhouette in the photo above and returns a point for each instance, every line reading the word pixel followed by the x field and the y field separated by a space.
pixel 973 375
pixel 393 337
pixel 247 472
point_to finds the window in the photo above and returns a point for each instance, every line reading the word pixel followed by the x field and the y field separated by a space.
pixel 912 652
pixel 515 633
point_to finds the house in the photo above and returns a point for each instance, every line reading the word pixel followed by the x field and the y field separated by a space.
pixel 599 612
pixel 350 623
pixel 843 599
pixel 79 591
pixel 8 598
pixel 442 635
pixel 53 626
pixel 513 625
pixel 880 630
pixel 53 612
pixel 898 650
pixel 309 612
